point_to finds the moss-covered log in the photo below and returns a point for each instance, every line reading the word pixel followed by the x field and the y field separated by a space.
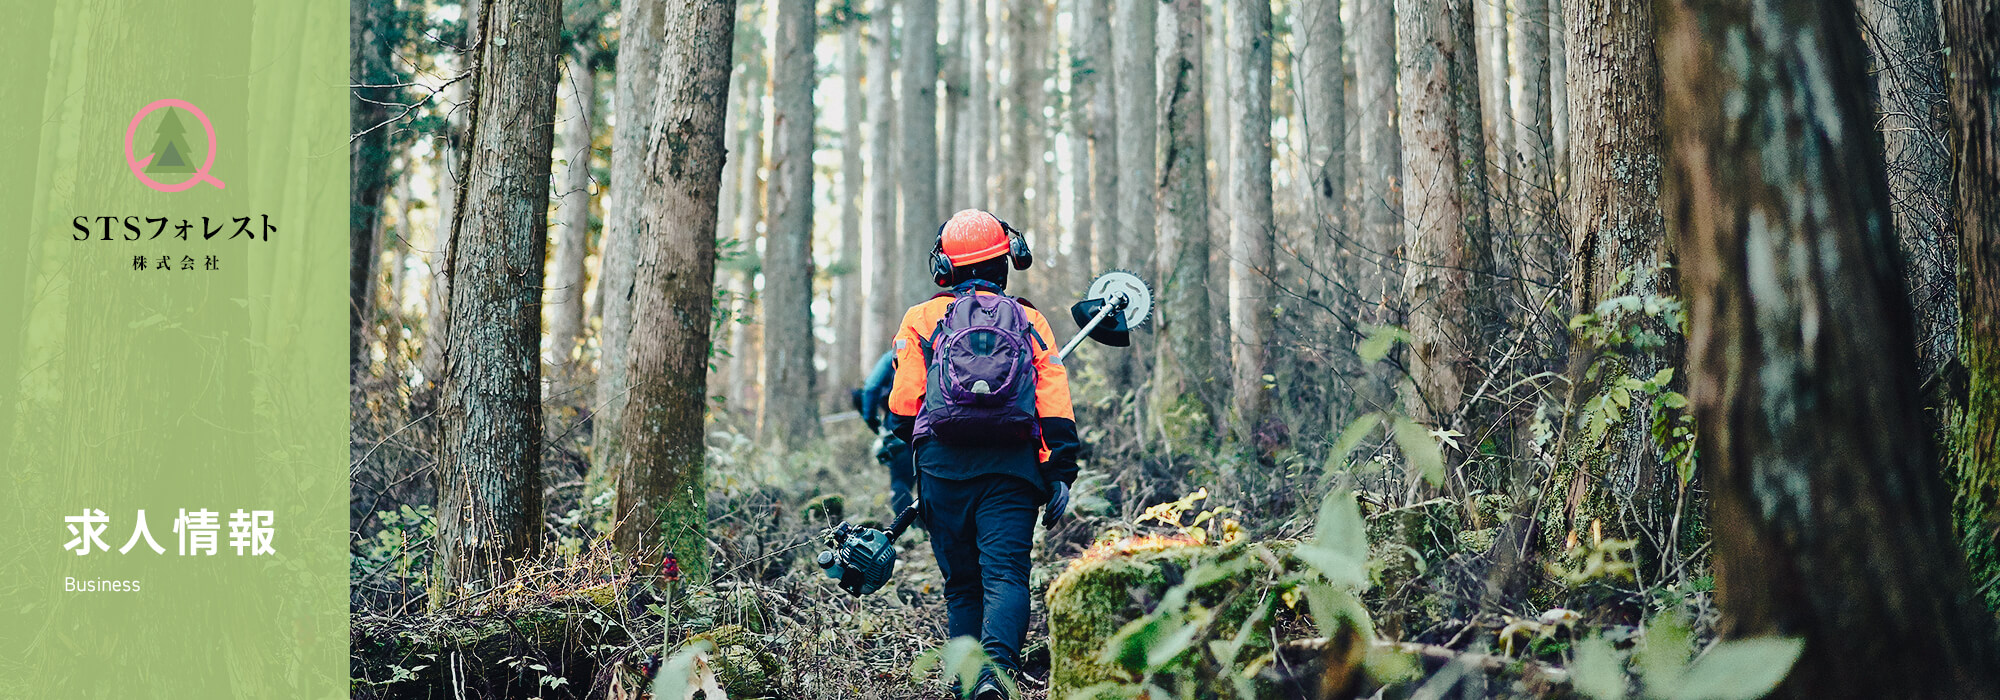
pixel 1115 584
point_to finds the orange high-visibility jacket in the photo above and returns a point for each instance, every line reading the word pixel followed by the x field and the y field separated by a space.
pixel 907 395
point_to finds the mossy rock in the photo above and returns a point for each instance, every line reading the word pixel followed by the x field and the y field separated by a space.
pixel 1112 585
pixel 742 665
pixel 829 508
pixel 1477 541
pixel 1398 536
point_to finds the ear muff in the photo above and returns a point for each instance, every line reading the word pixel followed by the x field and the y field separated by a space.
pixel 1017 246
pixel 941 267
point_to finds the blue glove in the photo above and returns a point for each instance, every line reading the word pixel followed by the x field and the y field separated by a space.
pixel 1058 504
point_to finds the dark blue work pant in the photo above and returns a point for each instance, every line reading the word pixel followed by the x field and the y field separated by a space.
pixel 981 530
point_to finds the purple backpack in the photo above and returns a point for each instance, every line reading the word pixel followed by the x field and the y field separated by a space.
pixel 980 373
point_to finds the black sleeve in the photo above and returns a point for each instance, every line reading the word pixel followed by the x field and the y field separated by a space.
pixel 1060 435
pixel 902 425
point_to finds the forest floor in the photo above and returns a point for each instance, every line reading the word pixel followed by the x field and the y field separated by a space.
pixel 574 626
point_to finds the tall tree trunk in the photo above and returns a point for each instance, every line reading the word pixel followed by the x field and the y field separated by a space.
pixel 1252 254
pixel 979 111
pixel 848 368
pixel 746 370
pixel 1972 28
pixel 885 262
pixel 662 502
pixel 370 26
pixel 918 145
pixel 1912 112
pixel 791 383
pixel 1544 253
pixel 1085 75
pixel 1136 69
pixel 1186 389
pixel 489 475
pixel 1103 132
pixel 638 68
pixel 396 281
pixel 1440 220
pixel 1381 190
pixel 1830 519
pixel 1319 36
pixel 1621 480
pixel 952 70
pixel 1558 87
pixel 563 299
pixel 1014 169
pixel 1496 99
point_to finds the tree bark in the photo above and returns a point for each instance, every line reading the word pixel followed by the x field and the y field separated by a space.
pixel 1185 386
pixel 919 141
pixel 489 500
pixel 1252 254
pixel 563 300
pixel 848 308
pixel 1972 28
pixel 1912 113
pixel 638 68
pixel 1441 164
pixel 790 416
pixel 661 501
pixel 1830 519
pixel 885 263
pixel 1624 480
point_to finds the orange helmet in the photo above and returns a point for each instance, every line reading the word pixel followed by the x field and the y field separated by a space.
pixel 972 236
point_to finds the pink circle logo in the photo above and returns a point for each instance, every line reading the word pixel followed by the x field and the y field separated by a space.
pixel 170 153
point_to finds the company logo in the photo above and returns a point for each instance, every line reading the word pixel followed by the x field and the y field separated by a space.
pixel 170 153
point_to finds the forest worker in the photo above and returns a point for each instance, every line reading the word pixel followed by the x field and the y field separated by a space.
pixel 872 400
pixel 984 404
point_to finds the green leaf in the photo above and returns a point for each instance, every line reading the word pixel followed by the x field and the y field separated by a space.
pixel 1378 342
pixel 1339 548
pixel 1390 667
pixel 1172 645
pixel 1663 376
pixel 1351 437
pixel 1420 449
pixel 1664 652
pixel 1740 670
pixel 676 678
pixel 1331 607
pixel 1596 671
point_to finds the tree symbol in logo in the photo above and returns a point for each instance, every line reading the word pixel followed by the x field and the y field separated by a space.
pixel 170 147
pixel 170 152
